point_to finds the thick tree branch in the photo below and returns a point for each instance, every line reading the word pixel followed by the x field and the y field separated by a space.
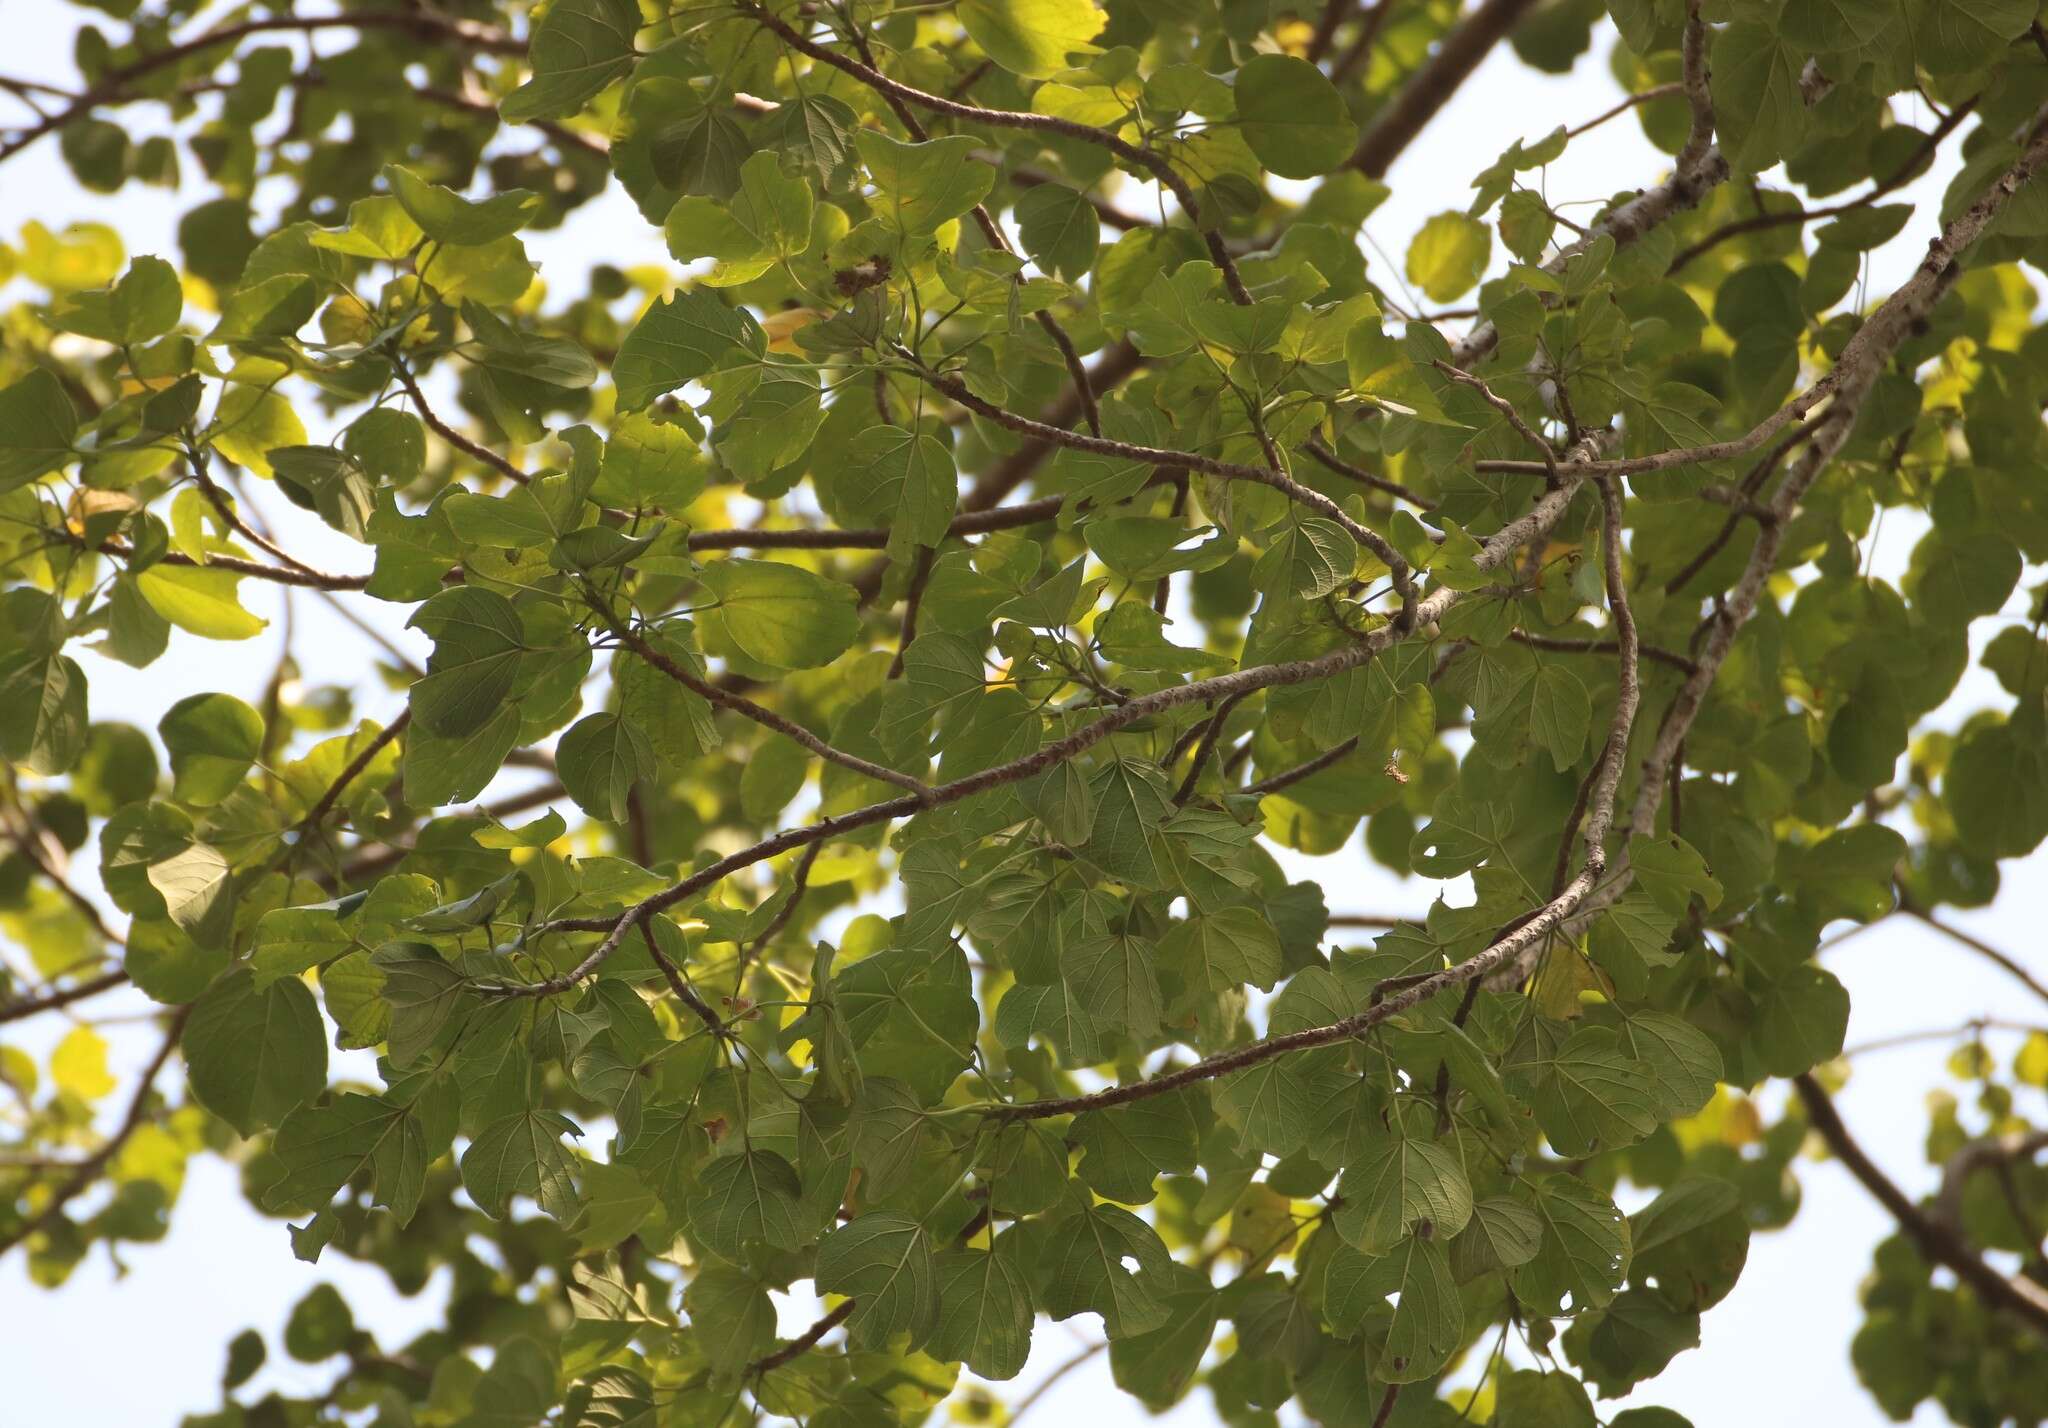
pixel 1693 57
pixel 1530 934
pixel 1647 210
pixel 2021 1298
pixel 1456 56
pixel 1855 373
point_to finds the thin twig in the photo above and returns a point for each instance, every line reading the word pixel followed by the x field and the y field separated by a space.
pixel 803 1343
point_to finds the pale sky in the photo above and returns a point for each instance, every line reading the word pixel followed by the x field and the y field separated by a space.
pixel 156 1327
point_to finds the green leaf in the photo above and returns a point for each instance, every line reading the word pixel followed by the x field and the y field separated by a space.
pixel 1158 1365
pixel 37 424
pixel 422 995
pixel 1954 581
pixel 259 312
pixel 522 1154
pixel 154 865
pixel 213 741
pixel 1105 1261
pixel 254 1057
pixel 1758 106
pixel 780 615
pixel 447 217
pixel 441 770
pixel 1800 1021
pixel 79 1064
pixel 1397 1185
pixel 1996 788
pixel 1684 1065
pixel 984 1310
pixel 1596 1097
pixel 1427 1321
pixel 924 186
pixel 601 758
pixel 578 48
pixel 1449 255
pixel 1055 1015
pixel 904 480
pixel 1125 1149
pixel 1221 952
pixel 144 305
pixel 1964 35
pixel 884 1260
pixel 1033 38
pixel 1310 557
pixel 766 222
pixel 478 644
pixel 322 1148
pixel 42 711
pixel 1560 714
pixel 731 1314
pixel 202 602
pixel 1672 873
pixel 750 1197
pixel 1502 1234
pixel 1585 1248
pixel 1292 116
pixel 1059 229
pixel 678 341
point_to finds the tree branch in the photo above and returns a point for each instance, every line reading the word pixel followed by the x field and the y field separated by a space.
pixel 355 767
pixel 1302 495
pixel 1330 461
pixel 2010 965
pixel 63 997
pixel 1899 178
pixel 2020 1298
pixel 473 449
pixel 112 87
pixel 1145 159
pixel 1498 549
pixel 766 717
pixel 1647 210
pixel 1456 56
pixel 88 1170
pixel 1564 646
pixel 802 1344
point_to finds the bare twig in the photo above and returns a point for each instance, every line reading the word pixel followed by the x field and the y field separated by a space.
pixel 803 1343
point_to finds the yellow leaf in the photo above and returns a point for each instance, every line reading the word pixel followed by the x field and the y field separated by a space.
pixel 79 1064
pixel 201 601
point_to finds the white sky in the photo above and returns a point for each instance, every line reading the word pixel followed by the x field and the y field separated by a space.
pixel 156 1327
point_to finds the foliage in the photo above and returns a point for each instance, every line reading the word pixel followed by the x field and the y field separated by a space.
pixel 1020 515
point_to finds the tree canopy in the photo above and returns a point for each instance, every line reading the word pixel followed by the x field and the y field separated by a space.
pixel 830 848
